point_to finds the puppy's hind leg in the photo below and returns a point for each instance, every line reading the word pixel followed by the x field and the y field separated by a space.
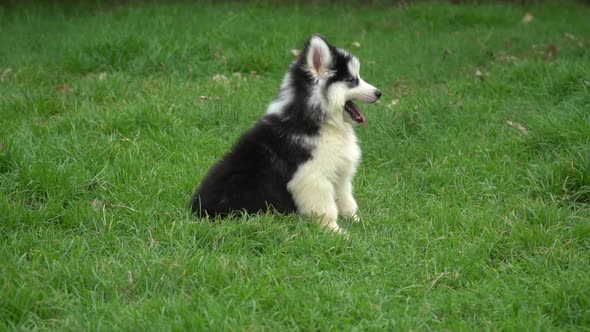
pixel 314 197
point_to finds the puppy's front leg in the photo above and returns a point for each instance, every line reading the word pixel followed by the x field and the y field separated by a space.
pixel 345 201
pixel 314 196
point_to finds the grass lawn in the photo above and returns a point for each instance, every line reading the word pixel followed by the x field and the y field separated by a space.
pixel 474 187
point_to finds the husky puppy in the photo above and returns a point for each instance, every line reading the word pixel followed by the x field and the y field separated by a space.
pixel 302 154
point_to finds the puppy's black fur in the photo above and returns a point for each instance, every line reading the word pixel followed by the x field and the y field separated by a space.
pixel 254 175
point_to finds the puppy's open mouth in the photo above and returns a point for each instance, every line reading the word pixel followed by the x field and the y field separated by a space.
pixel 354 112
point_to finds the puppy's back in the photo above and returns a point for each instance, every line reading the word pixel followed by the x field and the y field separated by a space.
pixel 253 176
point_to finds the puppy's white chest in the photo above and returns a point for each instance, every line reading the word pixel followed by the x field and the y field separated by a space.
pixel 337 150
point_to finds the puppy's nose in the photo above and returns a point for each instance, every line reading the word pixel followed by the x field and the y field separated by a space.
pixel 378 93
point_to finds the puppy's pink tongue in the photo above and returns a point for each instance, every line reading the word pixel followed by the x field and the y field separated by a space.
pixel 355 112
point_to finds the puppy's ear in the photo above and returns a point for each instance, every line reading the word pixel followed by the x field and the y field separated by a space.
pixel 318 56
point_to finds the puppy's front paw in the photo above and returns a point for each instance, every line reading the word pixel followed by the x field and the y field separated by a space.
pixel 356 217
pixel 347 208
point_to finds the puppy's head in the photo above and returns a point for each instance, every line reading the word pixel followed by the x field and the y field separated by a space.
pixel 335 80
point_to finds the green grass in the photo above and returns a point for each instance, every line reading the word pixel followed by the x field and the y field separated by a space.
pixel 469 223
